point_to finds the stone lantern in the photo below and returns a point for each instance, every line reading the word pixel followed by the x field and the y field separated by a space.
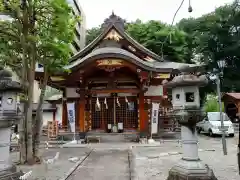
pixel 186 109
pixel 9 115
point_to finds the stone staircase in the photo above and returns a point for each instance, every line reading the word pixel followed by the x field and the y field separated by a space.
pixel 114 137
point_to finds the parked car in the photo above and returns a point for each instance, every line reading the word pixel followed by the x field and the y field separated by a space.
pixel 211 124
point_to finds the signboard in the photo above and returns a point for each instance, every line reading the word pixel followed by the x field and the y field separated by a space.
pixel 71 115
pixel 109 62
pixel 154 118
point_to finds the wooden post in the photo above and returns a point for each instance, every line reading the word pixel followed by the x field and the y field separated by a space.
pixel 82 111
pixel 141 112
pixel 64 110
pixel 164 91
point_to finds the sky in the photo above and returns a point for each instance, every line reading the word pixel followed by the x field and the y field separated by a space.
pixel 98 10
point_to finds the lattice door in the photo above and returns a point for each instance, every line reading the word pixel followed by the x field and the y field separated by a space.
pixel 96 115
pixel 108 113
pixel 121 111
pixel 131 118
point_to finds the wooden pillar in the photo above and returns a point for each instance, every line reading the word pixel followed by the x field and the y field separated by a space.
pixel 82 111
pixel 164 91
pixel 64 110
pixel 90 115
pixel 141 112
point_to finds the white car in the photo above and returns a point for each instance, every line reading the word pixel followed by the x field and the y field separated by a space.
pixel 211 124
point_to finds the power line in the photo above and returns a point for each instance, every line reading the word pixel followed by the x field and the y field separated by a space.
pixel 175 14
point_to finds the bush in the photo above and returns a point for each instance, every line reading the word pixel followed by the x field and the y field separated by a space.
pixel 211 104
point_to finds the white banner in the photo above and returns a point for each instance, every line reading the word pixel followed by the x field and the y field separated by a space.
pixel 154 118
pixel 71 115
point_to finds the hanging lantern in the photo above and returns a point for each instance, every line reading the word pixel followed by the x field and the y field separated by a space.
pixel 105 102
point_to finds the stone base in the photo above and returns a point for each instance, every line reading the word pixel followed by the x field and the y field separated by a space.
pixel 9 172
pixel 191 170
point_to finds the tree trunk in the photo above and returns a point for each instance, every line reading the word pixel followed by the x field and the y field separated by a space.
pixel 31 77
pixel 39 119
pixel 22 125
pixel 22 138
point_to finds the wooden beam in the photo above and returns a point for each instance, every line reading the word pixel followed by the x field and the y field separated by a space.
pixel 124 90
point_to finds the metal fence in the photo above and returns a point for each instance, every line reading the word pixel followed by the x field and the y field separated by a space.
pixel 236 127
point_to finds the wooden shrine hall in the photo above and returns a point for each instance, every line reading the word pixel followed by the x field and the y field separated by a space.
pixel 113 81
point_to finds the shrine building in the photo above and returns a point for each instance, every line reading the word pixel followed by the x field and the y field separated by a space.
pixel 113 80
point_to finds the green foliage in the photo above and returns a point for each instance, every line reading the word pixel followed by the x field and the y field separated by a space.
pixel 152 35
pixel 51 92
pixel 211 104
pixel 92 34
pixel 215 36
pixel 46 25
pixel 36 31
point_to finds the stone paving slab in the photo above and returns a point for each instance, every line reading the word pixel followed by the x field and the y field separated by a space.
pixel 150 165
pixel 58 169
pixel 104 165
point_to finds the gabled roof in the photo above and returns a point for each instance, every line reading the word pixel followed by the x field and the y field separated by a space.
pixel 116 23
pixel 113 52
pixel 232 95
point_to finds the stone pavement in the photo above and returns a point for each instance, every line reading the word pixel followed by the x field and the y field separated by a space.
pixel 155 162
pixel 104 165
pixel 59 168
pixel 110 160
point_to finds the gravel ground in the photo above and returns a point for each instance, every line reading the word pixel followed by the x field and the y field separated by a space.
pixel 59 168
pixel 104 165
pixel 155 162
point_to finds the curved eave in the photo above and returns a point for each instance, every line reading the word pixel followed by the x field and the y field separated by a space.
pixel 139 46
pixel 91 45
pixel 125 55
pixel 124 35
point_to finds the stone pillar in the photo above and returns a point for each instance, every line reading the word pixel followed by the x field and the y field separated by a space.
pixel 9 115
pixel 186 107
pixel 5 134
pixel 189 143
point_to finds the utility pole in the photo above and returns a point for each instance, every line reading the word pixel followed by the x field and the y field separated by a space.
pixel 238 146
pixel 224 144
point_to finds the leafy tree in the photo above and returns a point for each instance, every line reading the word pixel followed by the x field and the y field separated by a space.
pixel 211 104
pixel 92 34
pixel 164 40
pixel 215 37
pixel 36 31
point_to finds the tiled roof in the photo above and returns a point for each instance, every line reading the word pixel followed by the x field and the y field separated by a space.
pixel 233 95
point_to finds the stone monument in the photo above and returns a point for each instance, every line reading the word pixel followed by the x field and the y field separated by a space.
pixel 9 115
pixel 186 108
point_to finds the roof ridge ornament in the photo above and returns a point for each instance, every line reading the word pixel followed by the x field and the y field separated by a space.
pixel 115 20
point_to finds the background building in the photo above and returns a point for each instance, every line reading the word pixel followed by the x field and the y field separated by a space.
pixel 76 46
pixel 80 31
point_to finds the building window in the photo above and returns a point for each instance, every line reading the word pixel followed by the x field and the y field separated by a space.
pixel 71 54
pixel 78 9
pixel 77 34
pixel 76 46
